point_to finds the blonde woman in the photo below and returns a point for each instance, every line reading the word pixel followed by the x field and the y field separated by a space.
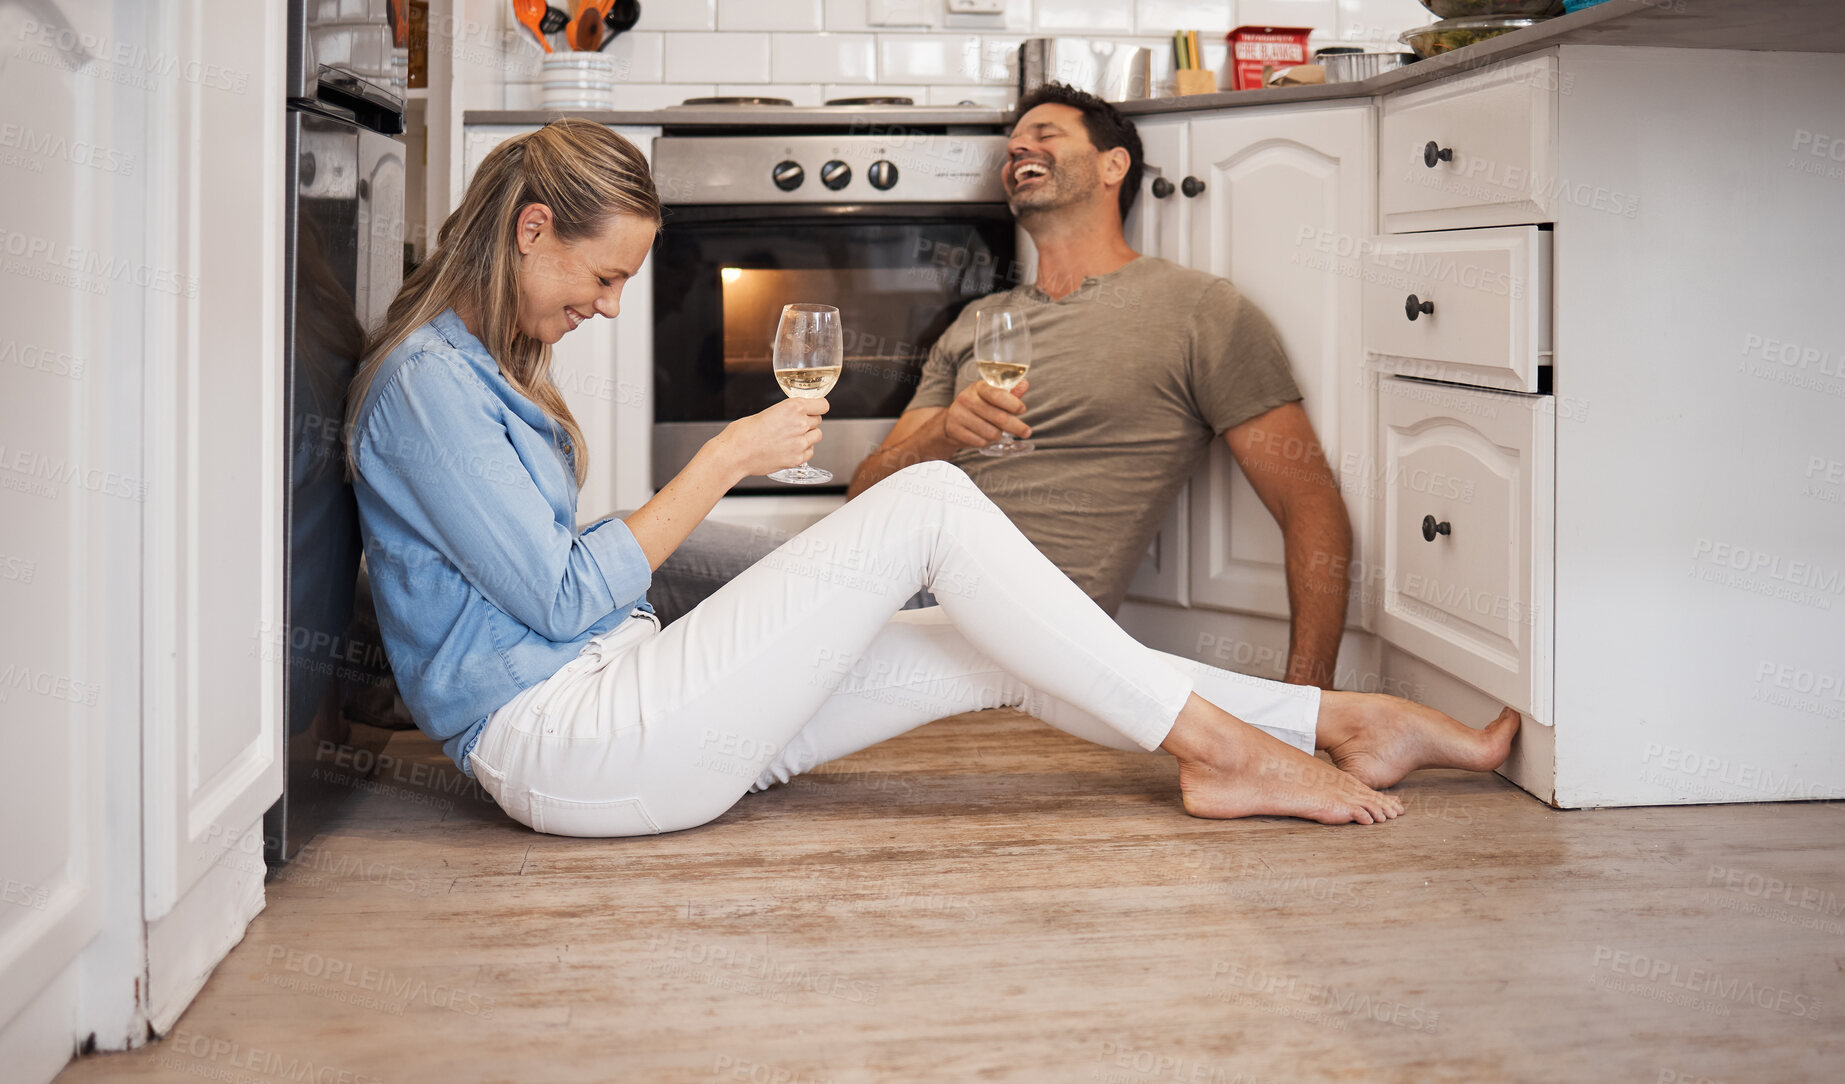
pixel 525 644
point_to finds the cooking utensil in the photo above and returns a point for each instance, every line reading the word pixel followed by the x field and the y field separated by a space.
pixel 585 33
pixel 1450 34
pixel 619 17
pixel 531 15
pixel 554 20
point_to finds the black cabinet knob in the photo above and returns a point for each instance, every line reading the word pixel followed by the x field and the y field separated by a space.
pixel 1434 152
pixel 1412 307
pixel 1191 186
pixel 1161 188
pixel 1430 528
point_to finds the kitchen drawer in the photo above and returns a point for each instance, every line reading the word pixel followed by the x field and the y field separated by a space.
pixel 1494 155
pixel 1466 549
pixel 1469 306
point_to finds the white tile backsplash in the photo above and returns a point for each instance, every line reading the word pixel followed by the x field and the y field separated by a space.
pixel 769 14
pixel 1321 15
pixel 733 57
pixel 1060 16
pixel 992 97
pixel 678 15
pixel 1378 22
pixel 659 95
pixel 825 58
pixel 929 58
pixel 687 48
pixel 639 57
pixel 1207 17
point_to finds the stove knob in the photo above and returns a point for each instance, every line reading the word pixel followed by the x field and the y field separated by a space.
pixel 788 175
pixel 882 175
pixel 835 175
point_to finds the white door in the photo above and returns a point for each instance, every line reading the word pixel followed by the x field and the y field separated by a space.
pixel 1283 207
pixel 69 503
pixel 214 382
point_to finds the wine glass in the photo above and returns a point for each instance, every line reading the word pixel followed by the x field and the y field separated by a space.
pixel 1002 353
pixel 808 355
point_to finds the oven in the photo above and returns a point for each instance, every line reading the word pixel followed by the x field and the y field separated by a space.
pixel 898 231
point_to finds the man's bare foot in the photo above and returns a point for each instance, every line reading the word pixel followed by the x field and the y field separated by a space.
pixel 1380 739
pixel 1228 769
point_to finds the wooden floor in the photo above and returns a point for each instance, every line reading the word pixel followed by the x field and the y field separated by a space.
pixel 988 899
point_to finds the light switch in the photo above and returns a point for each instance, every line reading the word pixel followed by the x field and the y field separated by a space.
pixel 976 7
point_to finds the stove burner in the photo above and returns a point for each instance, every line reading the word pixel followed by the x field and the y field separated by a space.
pixel 871 101
pixel 736 101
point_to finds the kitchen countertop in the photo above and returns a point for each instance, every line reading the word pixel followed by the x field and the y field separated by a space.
pixel 1807 26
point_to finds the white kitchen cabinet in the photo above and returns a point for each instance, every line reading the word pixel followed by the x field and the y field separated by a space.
pixel 1465 306
pixel 1284 191
pixel 1475 150
pixel 1156 226
pixel 1464 535
pixel 142 546
pixel 1268 198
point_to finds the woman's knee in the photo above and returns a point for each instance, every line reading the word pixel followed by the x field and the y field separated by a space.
pixel 934 479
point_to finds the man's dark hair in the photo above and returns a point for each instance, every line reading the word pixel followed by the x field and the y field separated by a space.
pixel 1107 128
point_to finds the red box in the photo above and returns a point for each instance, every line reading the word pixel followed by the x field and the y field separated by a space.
pixel 1255 48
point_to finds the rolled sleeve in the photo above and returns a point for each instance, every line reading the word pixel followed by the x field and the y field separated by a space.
pixel 436 449
pixel 619 555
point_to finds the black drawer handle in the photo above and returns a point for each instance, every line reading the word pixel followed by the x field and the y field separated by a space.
pixel 1161 188
pixel 1414 307
pixel 1435 152
pixel 1430 528
pixel 1191 186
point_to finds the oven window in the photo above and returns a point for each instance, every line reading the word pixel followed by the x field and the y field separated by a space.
pixel 721 277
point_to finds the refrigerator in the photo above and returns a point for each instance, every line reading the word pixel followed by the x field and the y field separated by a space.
pixel 345 257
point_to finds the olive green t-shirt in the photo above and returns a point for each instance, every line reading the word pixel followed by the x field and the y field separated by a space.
pixel 1131 377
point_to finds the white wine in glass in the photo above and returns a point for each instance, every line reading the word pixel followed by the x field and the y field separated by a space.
pixel 1002 353
pixel 809 353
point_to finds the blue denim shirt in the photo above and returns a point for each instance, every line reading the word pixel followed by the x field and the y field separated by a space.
pixel 483 584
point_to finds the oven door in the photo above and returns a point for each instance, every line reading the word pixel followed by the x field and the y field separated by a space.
pixel 898 273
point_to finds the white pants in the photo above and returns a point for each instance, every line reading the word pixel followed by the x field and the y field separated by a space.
pixel 805 658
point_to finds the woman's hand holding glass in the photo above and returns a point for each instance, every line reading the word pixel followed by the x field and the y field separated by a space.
pixel 779 437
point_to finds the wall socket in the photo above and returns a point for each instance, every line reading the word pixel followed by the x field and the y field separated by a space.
pixel 976 7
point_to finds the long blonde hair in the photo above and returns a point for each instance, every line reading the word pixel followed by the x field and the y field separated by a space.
pixel 586 174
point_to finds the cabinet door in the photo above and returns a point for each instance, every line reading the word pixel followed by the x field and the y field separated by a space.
pixel 1285 193
pixel 215 416
pixel 1156 227
pixel 70 522
pixel 1156 224
pixel 1466 536
pixel 1465 306
pixel 1163 575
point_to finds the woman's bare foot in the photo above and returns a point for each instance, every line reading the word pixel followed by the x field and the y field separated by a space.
pixel 1228 768
pixel 1380 739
